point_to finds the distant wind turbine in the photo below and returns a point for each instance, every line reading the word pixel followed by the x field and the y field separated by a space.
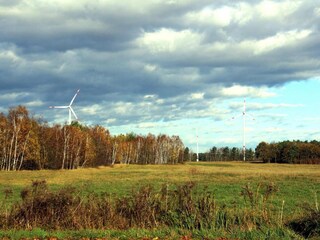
pixel 69 107
pixel 244 130
pixel 197 146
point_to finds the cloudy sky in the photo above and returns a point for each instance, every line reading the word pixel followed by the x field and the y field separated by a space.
pixel 167 66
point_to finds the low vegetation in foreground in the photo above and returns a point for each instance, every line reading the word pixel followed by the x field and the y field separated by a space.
pixel 191 201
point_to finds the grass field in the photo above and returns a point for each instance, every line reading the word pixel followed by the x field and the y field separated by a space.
pixel 297 186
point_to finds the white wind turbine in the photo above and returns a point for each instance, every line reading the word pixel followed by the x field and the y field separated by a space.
pixel 197 145
pixel 244 129
pixel 69 107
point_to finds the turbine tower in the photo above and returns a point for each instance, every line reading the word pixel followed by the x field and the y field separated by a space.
pixel 244 130
pixel 69 107
pixel 197 146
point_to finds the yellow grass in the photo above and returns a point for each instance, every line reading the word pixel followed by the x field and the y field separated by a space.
pixel 203 172
pixel 298 184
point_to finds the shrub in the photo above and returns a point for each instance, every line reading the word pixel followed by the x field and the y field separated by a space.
pixel 43 208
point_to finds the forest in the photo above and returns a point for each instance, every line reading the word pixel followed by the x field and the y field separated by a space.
pixel 29 143
pixel 298 152
pixel 226 154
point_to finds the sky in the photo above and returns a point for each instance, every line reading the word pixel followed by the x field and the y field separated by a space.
pixel 177 67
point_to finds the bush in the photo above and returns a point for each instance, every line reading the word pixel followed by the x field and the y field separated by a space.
pixel 43 208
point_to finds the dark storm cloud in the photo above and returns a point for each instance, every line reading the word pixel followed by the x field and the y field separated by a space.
pixel 181 52
pixel 105 25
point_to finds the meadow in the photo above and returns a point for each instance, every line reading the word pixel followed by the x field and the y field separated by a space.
pixel 277 193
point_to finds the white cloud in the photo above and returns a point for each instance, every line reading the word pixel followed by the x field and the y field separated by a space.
pixel 36 103
pixel 272 115
pixel 245 91
pixel 9 55
pixel 123 108
pixel 244 13
pixel 160 101
pixel 279 40
pixel 197 96
pixel 169 40
pixel 92 110
pixel 277 9
pixel 220 17
pixel 150 96
pixel 260 106
pixel 110 120
pixel 223 16
pixel 151 101
pixel 12 96
pixel 265 106
pixel 150 68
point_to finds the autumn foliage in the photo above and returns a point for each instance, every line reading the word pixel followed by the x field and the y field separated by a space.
pixel 28 143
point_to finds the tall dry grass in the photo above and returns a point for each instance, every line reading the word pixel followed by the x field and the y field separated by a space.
pixel 174 207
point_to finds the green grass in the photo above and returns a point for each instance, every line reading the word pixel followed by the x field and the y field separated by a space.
pixel 297 184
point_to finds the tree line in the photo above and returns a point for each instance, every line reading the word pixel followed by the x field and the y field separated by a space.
pixel 29 143
pixel 225 154
pixel 300 152
pixel 296 152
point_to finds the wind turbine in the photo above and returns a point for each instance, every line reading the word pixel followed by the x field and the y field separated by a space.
pixel 197 146
pixel 69 107
pixel 244 129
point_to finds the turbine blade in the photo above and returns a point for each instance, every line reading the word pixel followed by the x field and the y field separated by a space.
pixel 58 106
pixel 235 117
pixel 74 114
pixel 251 116
pixel 74 97
pixel 70 116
